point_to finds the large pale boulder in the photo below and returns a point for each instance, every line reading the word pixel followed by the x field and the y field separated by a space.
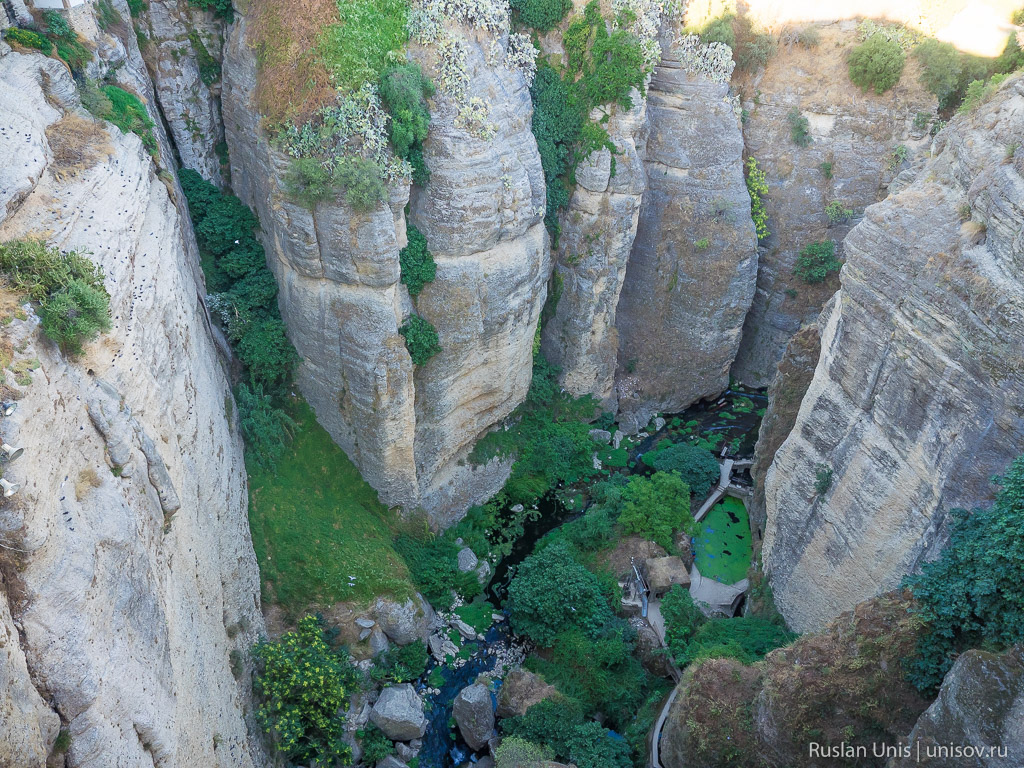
pixel 399 713
pixel 404 622
pixel 520 690
pixel 474 714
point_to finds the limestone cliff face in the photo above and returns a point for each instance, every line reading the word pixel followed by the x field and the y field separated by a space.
pixel 134 575
pixel 918 396
pixel 849 159
pixel 410 431
pixel 690 276
pixel 183 53
pixel 981 702
pixel 597 236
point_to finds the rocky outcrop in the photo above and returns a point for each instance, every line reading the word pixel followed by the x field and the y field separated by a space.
pixel 918 397
pixel 597 236
pixel 136 556
pixel 520 690
pixel 406 622
pixel 399 713
pixel 849 159
pixel 473 711
pixel 844 685
pixel 690 276
pixel 182 49
pixel 410 430
pixel 980 705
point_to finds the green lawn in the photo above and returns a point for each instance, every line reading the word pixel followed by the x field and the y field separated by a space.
pixel 723 544
pixel 315 523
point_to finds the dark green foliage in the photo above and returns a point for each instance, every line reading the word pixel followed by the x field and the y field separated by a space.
pixel 303 686
pixel 798 128
pixel 755 52
pixel 817 261
pixel 941 65
pixel 552 593
pixel 74 306
pixel 980 91
pixel 58 26
pixel 696 466
pixel 745 638
pixel 719 30
pixel 75 314
pixel 417 264
pixel 877 64
pixel 376 746
pixel 420 339
pixel 548 436
pixel 420 171
pixel 557 122
pixel 972 594
pixel 601 674
pixel 235 266
pixel 691 636
pixel 433 564
pixel 29 39
pixel 757 188
pixel 309 181
pixel 221 8
pixel 127 113
pixel 822 480
pixel 404 90
pixel 656 507
pixel 209 67
pixel 401 663
pixel 136 7
pixel 63 742
pixel 266 429
pixel 542 15
pixel 560 726
pixel 107 15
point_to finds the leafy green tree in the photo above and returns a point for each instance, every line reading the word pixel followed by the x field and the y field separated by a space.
pixel 552 592
pixel 221 8
pixel 74 315
pixel 973 594
pixel 304 687
pixel 404 89
pixel 877 64
pixel 656 506
pixel 696 466
pixel 682 619
pixel 264 349
pixel 940 68
pixel 558 726
pixel 416 262
pixel 266 429
pixel 817 261
pixel 594 746
pixel 420 339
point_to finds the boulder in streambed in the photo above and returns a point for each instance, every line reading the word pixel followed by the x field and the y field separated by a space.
pixel 474 714
pixel 399 713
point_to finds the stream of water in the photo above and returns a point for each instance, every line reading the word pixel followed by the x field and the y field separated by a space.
pixel 727 421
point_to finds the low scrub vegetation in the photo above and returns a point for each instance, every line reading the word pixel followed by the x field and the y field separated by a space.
pixel 799 128
pixel 420 339
pixel 757 188
pixel 73 304
pixel 416 262
pixel 817 261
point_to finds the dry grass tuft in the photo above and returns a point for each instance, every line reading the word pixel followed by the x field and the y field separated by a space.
pixel 78 144
pixel 293 82
pixel 973 232
pixel 87 480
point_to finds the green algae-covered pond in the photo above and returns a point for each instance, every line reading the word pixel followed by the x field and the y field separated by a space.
pixel 722 546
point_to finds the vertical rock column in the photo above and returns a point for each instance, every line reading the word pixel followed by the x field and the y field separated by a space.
pixel 690 277
pixel 597 236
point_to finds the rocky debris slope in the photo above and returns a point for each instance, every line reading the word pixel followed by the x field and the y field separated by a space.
pixel 842 685
pixel 131 518
pixel 849 159
pixel 980 703
pixel 690 276
pixel 918 397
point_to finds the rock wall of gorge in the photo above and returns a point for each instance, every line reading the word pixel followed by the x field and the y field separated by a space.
pixel 916 401
pixel 410 430
pixel 129 573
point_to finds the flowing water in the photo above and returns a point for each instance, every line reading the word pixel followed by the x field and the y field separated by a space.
pixel 732 420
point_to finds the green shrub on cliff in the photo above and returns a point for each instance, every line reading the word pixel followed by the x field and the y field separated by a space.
pixel 542 15
pixel 940 68
pixel 404 90
pixel 817 261
pixel 28 39
pixel 876 64
pixel 973 594
pixel 416 262
pixel 757 188
pixel 420 339
pixel 74 306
